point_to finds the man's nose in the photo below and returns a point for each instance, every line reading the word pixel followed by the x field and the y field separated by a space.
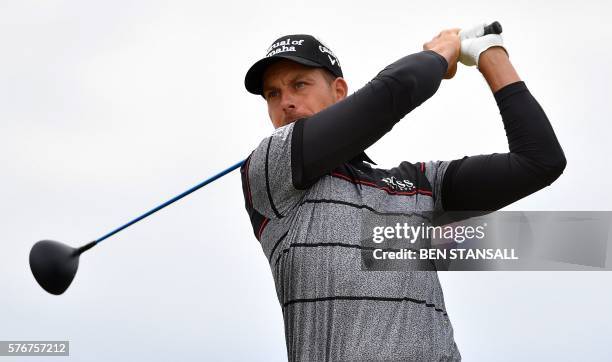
pixel 287 101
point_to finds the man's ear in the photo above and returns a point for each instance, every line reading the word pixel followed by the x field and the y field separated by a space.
pixel 340 88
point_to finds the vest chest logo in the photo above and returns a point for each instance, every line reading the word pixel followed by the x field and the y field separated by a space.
pixel 398 185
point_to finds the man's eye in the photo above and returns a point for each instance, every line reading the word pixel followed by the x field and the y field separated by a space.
pixel 300 84
pixel 271 94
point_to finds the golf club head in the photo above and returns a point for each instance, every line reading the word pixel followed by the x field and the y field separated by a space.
pixel 54 265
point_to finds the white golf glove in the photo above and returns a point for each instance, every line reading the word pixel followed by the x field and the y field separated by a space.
pixel 473 32
pixel 473 43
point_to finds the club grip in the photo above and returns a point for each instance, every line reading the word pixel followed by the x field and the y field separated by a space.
pixel 493 28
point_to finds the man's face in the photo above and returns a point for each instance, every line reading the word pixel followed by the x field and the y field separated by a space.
pixel 295 91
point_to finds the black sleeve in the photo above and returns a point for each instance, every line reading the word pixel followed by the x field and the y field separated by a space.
pixel 340 132
pixel 535 160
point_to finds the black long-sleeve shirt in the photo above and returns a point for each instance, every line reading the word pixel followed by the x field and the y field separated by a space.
pixel 483 182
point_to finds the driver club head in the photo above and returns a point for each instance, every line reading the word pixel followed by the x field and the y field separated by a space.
pixel 54 265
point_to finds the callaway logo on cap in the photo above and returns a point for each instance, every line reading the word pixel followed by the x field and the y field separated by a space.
pixel 300 48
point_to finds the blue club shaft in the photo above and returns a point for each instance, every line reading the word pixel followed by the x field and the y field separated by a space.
pixel 176 198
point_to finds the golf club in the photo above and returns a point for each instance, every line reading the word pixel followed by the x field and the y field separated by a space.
pixel 55 264
pixel 493 28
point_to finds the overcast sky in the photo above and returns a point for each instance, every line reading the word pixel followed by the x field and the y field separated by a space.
pixel 109 108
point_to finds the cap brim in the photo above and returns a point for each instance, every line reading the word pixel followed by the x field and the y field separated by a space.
pixel 254 77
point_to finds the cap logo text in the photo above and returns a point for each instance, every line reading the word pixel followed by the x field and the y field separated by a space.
pixel 324 49
pixel 282 46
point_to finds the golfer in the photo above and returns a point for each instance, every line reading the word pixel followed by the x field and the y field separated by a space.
pixel 309 186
